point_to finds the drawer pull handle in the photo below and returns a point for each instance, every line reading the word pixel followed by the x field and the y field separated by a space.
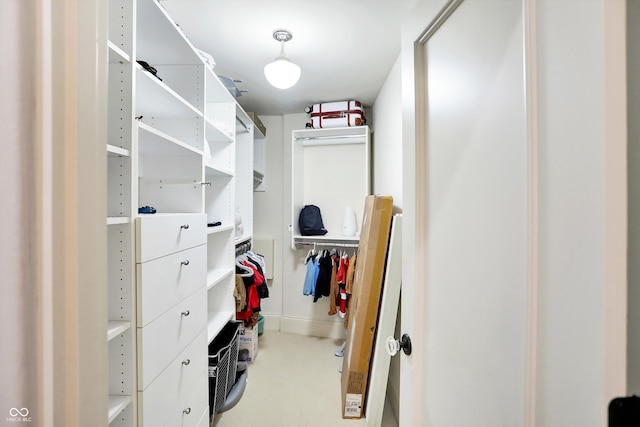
pixel 185 362
pixel 185 262
pixel 185 226
pixel 187 411
pixel 186 313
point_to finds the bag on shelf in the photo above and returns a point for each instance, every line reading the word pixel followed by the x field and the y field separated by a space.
pixel 310 221
pixel 336 114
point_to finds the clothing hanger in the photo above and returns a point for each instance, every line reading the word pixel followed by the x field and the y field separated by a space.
pixel 247 271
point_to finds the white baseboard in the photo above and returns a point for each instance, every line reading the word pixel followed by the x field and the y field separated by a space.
pixel 313 328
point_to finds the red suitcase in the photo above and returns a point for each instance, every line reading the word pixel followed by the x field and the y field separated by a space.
pixel 336 114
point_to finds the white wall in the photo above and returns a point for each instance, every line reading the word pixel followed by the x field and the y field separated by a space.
pixel 386 122
pixel 633 120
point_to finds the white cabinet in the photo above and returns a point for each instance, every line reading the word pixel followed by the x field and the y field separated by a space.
pixel 121 332
pixel 176 143
pixel 331 169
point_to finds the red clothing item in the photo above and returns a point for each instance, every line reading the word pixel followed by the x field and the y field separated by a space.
pixel 342 269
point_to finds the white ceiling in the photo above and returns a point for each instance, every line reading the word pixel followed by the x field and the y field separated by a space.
pixel 345 48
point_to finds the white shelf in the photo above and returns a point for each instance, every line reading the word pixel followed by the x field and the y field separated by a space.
pixel 157 143
pixel 217 321
pixel 219 229
pixel 118 220
pixel 117 55
pixel 217 275
pixel 215 133
pixel 214 171
pixel 116 327
pixel 159 39
pixel 216 91
pixel 155 99
pixel 116 405
pixel 117 151
pixel 319 152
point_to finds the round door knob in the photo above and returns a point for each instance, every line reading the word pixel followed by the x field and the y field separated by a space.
pixel 394 345
pixel 185 262
pixel 185 226
pixel 186 411
pixel 186 313
pixel 185 362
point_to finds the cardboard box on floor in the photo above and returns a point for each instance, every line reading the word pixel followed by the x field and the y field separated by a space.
pixel 248 339
pixel 365 304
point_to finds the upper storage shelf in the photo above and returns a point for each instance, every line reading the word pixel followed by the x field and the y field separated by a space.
pixel 340 156
pixel 159 40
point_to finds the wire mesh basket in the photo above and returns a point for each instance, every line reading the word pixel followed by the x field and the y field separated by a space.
pixel 223 360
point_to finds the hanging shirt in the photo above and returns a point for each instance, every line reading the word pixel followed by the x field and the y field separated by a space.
pixel 309 278
pixel 342 269
pixel 351 272
pixel 334 296
pixel 323 282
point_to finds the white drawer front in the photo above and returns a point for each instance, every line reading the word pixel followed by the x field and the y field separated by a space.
pixel 159 235
pixel 187 412
pixel 163 339
pixel 195 402
pixel 163 282
pixel 174 385
pixel 204 418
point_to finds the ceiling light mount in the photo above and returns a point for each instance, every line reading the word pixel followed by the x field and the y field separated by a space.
pixel 282 73
pixel 282 35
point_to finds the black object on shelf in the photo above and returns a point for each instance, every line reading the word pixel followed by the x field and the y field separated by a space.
pixel 214 224
pixel 150 69
pixel 146 210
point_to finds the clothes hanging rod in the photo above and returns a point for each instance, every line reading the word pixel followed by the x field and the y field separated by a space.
pixel 328 243
pixel 331 140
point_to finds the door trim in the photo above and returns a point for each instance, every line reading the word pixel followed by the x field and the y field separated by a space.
pixel 531 111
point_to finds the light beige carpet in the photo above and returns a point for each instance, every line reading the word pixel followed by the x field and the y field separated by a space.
pixel 294 381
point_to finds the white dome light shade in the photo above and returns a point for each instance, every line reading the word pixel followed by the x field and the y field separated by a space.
pixel 282 73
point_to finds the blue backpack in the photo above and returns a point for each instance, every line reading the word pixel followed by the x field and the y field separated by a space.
pixel 310 221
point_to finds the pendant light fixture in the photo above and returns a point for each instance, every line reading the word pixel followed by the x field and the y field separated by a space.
pixel 282 73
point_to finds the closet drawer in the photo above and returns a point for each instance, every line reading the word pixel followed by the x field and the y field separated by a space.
pixel 158 235
pixel 188 410
pixel 175 384
pixel 204 418
pixel 164 338
pixel 164 281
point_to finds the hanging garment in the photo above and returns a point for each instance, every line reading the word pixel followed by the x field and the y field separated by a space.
pixel 323 282
pixel 240 294
pixel 342 269
pixel 309 279
pixel 259 281
pixel 334 296
pixel 351 271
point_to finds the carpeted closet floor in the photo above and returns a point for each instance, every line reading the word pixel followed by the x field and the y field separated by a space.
pixel 294 382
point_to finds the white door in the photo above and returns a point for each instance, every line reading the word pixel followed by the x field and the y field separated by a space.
pixel 464 294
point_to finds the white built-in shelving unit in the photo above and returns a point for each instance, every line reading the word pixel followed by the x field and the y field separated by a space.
pixel 180 143
pixel 331 169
